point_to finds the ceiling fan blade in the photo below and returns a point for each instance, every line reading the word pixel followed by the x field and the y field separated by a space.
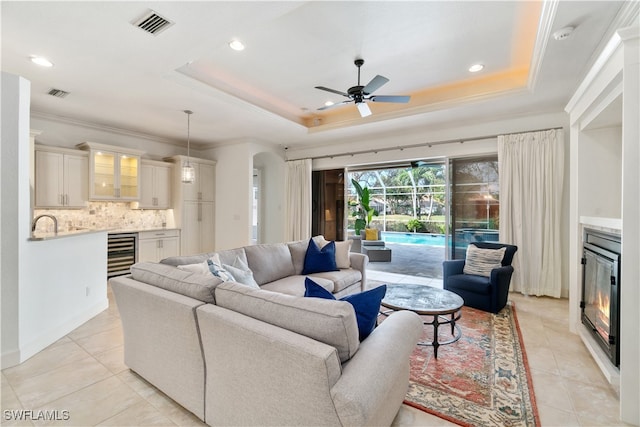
pixel 364 109
pixel 374 84
pixel 332 91
pixel 390 98
pixel 326 107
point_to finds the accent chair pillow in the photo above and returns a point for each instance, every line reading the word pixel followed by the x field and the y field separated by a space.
pixel 215 267
pixel 481 261
pixel 366 304
pixel 318 260
pixel 241 273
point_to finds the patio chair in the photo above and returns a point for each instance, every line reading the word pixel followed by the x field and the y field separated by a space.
pixel 481 292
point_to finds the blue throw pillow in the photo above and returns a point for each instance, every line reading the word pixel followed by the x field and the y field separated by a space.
pixel 318 260
pixel 366 304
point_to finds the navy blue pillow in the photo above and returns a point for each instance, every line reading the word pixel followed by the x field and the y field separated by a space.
pixel 366 304
pixel 318 260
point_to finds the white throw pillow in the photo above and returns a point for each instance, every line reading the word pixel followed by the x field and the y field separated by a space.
pixel 199 268
pixel 342 250
pixel 481 261
pixel 242 273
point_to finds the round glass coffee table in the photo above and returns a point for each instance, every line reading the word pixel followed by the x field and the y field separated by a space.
pixel 443 306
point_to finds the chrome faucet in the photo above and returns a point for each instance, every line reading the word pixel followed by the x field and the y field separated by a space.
pixel 35 221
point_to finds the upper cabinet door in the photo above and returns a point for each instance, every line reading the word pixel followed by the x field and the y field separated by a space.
pixel 61 178
pixel 49 179
pixel 103 175
pixel 114 172
pixel 76 181
pixel 155 185
pixel 128 177
pixel 207 182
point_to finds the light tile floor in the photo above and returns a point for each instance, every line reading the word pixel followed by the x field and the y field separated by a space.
pixel 84 373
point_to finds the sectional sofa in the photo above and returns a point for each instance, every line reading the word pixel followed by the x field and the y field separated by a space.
pixel 235 354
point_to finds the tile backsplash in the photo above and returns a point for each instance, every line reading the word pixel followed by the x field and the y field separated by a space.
pixel 104 215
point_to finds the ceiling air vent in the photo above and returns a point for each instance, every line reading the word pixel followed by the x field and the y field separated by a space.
pixel 58 93
pixel 153 23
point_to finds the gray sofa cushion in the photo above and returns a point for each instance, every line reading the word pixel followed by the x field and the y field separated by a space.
pixel 229 256
pixel 341 279
pixel 298 251
pixel 190 259
pixel 269 262
pixel 294 285
pixel 331 322
pixel 170 278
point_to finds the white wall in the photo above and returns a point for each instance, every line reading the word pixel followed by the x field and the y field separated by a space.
pixel 48 287
pixel 272 166
pixel 14 196
pixel 234 201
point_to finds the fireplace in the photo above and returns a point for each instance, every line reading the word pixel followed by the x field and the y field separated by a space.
pixel 600 302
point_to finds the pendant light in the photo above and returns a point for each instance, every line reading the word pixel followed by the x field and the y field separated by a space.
pixel 188 173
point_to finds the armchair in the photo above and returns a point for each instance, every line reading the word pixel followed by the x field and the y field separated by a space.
pixel 484 293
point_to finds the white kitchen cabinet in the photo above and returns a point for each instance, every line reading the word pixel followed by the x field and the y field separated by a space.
pixel 194 205
pixel 155 185
pixel 155 245
pixel 114 172
pixel 61 178
pixel 197 228
pixel 203 186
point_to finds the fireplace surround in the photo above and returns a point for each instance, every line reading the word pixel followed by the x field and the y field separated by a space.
pixel 600 302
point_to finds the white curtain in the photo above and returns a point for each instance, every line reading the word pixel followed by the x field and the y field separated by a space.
pixel 298 200
pixel 531 178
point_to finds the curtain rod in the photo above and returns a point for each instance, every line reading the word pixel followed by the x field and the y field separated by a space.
pixel 421 144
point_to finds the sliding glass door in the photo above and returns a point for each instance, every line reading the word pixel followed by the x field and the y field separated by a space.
pixel 474 202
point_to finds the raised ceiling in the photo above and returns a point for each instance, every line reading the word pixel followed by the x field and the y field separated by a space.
pixel 119 76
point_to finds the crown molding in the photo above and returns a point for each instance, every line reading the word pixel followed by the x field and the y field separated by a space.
pixel 112 129
pixel 547 18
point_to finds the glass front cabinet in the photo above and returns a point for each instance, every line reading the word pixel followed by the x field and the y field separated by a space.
pixel 114 172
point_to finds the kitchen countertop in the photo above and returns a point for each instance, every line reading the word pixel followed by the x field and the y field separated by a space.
pixel 81 231
pixel 62 234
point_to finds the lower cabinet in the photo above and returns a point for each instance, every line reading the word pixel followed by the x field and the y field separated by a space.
pixel 158 244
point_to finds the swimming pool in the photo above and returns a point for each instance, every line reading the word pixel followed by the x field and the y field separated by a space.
pixel 463 237
pixel 414 239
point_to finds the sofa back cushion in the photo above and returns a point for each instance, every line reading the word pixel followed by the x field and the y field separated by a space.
pixel 187 259
pixel 331 322
pixel 269 262
pixel 194 285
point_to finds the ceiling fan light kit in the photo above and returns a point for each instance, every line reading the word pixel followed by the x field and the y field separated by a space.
pixel 361 94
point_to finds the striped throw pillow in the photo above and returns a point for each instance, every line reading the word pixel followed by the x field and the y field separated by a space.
pixel 481 261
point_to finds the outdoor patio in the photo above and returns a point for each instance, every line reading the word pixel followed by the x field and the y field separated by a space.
pixel 416 260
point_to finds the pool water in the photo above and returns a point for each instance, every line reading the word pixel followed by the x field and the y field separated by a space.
pixel 414 239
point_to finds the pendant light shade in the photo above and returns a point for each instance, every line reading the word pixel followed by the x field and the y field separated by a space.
pixel 188 172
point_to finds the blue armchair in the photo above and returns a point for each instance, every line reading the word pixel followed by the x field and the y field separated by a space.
pixel 484 293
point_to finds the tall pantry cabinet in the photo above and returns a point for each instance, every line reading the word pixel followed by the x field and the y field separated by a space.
pixel 194 205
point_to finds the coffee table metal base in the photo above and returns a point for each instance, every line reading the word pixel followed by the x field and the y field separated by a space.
pixel 438 320
pixel 456 333
pixel 442 306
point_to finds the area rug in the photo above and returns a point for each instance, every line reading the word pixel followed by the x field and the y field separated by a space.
pixel 480 380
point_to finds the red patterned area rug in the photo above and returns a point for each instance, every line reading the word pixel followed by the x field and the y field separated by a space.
pixel 482 379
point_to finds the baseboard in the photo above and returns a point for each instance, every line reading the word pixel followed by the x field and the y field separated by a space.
pixel 52 335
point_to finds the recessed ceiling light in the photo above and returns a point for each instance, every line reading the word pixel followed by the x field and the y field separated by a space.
pixel 475 68
pixel 41 60
pixel 236 45
pixel 328 103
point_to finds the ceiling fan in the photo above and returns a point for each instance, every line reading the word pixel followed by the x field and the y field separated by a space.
pixel 359 94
